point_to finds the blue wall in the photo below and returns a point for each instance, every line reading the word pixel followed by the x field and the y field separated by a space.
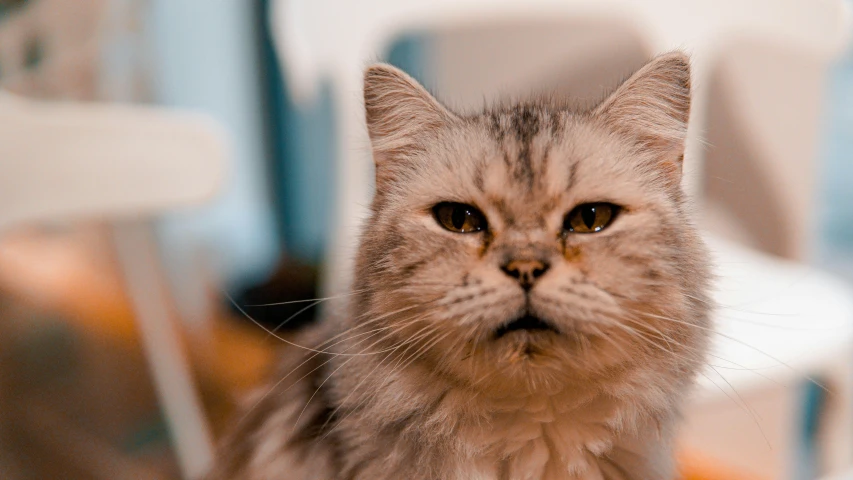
pixel 205 57
pixel 835 184
pixel 304 146
pixel 217 57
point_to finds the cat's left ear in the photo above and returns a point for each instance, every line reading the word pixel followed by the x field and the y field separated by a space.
pixel 652 108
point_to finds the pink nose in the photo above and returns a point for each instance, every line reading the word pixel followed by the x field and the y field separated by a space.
pixel 525 271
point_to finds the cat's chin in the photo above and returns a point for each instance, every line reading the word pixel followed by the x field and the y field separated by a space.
pixel 528 340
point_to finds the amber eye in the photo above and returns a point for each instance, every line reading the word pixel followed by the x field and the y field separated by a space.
pixel 590 217
pixel 459 217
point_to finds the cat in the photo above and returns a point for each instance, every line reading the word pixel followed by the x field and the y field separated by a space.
pixel 530 299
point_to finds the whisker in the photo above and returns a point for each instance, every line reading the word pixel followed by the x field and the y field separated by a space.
pixel 288 342
pixel 740 342
pixel 387 378
pixel 371 321
pixel 270 332
pixel 742 404
pixel 743 401
pixel 656 330
pixel 296 423
pixel 744 407
pixel 380 363
pixel 277 384
pixel 291 302
pixel 300 311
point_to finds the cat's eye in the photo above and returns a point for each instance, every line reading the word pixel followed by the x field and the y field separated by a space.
pixel 459 217
pixel 590 217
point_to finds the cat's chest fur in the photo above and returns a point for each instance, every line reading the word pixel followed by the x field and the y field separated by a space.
pixel 541 437
pixel 300 432
pixel 574 433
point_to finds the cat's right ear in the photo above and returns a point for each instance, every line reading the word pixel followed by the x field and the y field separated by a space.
pixel 400 113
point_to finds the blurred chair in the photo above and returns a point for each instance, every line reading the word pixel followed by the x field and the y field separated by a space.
pixel 315 44
pixel 64 161
pixel 844 476
pixel 771 311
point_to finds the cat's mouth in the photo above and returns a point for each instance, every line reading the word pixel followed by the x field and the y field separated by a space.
pixel 528 323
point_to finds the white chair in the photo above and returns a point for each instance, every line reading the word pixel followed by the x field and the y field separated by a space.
pixel 332 40
pixel 843 476
pixel 781 325
pixel 61 162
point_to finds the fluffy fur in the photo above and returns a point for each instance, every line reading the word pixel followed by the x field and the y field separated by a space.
pixel 414 383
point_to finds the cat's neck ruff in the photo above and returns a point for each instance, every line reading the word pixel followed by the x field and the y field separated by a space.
pixel 570 433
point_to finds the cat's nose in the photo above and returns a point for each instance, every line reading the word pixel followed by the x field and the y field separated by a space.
pixel 525 271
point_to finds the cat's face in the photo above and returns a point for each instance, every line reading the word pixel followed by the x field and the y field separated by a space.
pixel 531 244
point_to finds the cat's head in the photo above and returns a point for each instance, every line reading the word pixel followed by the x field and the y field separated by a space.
pixel 533 243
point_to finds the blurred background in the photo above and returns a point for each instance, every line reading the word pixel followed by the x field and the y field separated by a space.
pixel 167 166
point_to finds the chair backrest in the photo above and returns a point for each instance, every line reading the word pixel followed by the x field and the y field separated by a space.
pixel 764 133
pixel 762 128
pixel 333 40
pixel 66 161
pixel 71 161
